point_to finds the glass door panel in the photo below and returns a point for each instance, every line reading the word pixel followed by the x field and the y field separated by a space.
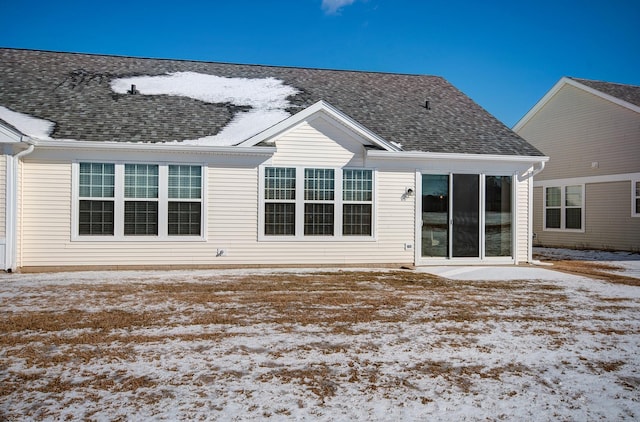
pixel 466 216
pixel 497 227
pixel 435 215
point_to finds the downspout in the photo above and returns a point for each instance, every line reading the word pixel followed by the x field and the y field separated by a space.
pixel 530 220
pixel 12 211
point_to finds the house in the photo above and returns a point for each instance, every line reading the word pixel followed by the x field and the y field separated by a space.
pixel 588 196
pixel 122 162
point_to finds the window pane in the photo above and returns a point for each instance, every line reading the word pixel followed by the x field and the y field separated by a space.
pixel 140 218
pixel 553 197
pixel 498 216
pixel 95 218
pixel 141 181
pixel 356 219
pixel 553 218
pixel 573 196
pixel 573 218
pixel 96 180
pixel 435 215
pixel 318 219
pixel 184 218
pixel 318 184
pixel 279 183
pixel 185 182
pixel 357 185
pixel 279 219
pixel 637 205
pixel 638 189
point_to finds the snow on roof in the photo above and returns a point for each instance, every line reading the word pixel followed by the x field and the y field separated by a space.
pixel 28 125
pixel 267 98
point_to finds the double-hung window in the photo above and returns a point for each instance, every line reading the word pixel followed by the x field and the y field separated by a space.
pixel 357 196
pixel 96 194
pixel 564 207
pixel 136 200
pixel 319 194
pixel 317 203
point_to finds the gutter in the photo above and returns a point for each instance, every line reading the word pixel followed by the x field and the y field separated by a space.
pixel 534 172
pixel 11 198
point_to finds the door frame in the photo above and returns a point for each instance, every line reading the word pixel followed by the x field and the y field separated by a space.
pixel 481 259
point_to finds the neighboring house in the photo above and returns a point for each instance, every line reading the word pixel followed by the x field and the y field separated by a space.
pixel 121 162
pixel 588 196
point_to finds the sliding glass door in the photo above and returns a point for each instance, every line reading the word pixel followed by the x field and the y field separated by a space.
pixel 466 216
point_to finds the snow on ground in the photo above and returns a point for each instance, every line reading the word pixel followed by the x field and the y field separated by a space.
pixel 29 125
pixel 267 98
pixel 627 262
pixel 308 344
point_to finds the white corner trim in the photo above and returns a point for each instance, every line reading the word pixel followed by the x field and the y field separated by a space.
pixel 306 114
pixel 554 90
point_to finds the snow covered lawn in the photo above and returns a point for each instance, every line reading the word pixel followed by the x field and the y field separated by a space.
pixel 316 345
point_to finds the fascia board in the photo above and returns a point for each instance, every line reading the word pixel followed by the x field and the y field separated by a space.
pixel 319 107
pixel 8 135
pixel 147 147
pixel 443 156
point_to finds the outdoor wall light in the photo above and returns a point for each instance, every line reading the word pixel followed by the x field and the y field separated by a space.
pixel 409 192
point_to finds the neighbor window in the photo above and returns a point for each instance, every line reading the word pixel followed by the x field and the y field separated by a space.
pixel 139 200
pixel 317 202
pixel 564 207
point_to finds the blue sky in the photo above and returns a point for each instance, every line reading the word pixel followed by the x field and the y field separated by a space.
pixel 504 54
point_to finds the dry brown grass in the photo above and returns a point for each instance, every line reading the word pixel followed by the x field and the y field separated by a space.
pixel 74 325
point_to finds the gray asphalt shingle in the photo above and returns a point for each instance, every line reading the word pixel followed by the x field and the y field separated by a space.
pixel 73 91
pixel 628 93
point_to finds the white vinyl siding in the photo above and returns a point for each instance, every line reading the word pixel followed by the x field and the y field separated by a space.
pixel 584 135
pixel 3 193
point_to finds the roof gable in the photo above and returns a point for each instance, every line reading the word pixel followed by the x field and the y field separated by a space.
pixel 328 111
pixel 594 87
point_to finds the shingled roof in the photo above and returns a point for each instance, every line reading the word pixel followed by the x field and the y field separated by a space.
pixel 73 91
pixel 628 93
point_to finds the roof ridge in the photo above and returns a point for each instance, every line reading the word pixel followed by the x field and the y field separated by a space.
pixel 272 66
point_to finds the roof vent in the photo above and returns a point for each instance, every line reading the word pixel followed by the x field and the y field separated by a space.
pixel 133 90
pixel 427 105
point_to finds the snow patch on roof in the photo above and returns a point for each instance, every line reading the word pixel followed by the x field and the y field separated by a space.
pixel 266 96
pixel 28 125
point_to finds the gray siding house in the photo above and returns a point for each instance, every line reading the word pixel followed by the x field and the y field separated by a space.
pixel 122 162
pixel 588 195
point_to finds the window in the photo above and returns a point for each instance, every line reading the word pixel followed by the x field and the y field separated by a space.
pixel 357 196
pixel 319 186
pixel 317 203
pixel 185 194
pixel 280 206
pixel 141 204
pixel 564 207
pixel 96 193
pixel 635 198
pixel 135 201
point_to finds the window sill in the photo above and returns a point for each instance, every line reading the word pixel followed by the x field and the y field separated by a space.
pixel 163 239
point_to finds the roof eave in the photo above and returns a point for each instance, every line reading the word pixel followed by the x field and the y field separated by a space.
pixel 151 147
pixel 425 155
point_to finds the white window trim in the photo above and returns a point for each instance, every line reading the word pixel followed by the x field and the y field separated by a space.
pixel 119 200
pixel 634 197
pixel 563 208
pixel 299 207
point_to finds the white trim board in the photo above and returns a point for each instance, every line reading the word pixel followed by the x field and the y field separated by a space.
pixel 587 179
